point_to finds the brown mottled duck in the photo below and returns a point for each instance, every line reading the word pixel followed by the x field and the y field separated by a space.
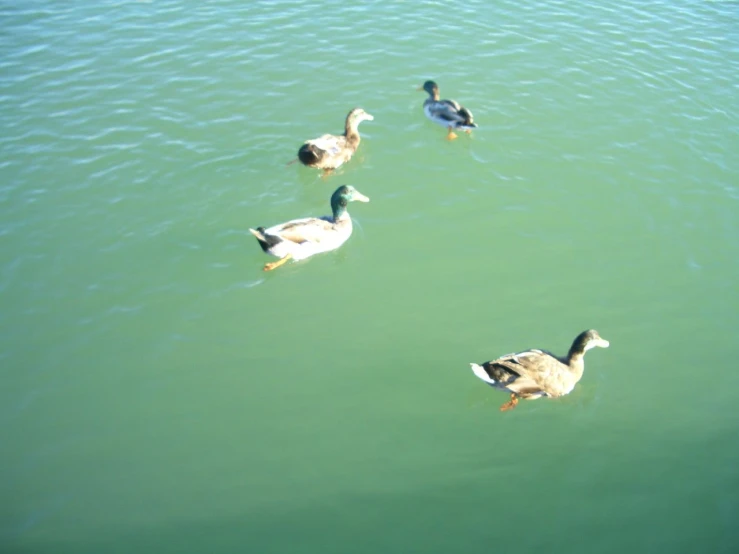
pixel 330 151
pixel 536 373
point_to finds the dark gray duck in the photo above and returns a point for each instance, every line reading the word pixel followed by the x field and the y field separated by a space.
pixel 447 113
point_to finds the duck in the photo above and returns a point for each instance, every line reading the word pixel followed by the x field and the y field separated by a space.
pixel 331 151
pixel 535 373
pixel 301 238
pixel 447 113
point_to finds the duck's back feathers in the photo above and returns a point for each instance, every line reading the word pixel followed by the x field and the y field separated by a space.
pixel 452 104
pixel 448 113
pixel 330 151
pixel 303 237
pixel 323 151
pixel 327 152
pixel 309 229
pixel 528 374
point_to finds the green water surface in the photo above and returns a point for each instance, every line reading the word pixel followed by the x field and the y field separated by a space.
pixel 161 393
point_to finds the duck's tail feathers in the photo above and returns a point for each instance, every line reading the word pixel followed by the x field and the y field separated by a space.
pixel 265 241
pixel 482 374
pixel 468 122
pixel 309 154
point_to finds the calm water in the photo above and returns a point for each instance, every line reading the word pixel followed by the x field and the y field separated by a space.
pixel 160 393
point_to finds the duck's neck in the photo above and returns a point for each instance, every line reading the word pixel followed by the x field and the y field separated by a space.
pixel 351 130
pixel 576 362
pixel 434 96
pixel 338 207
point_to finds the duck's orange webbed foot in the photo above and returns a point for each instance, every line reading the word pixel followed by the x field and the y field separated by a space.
pixel 451 135
pixel 274 265
pixel 512 403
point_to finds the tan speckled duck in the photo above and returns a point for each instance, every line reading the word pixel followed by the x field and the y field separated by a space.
pixel 536 373
pixel 328 152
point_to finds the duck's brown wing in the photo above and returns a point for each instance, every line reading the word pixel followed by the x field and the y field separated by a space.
pixel 529 373
pixel 331 145
pixel 310 229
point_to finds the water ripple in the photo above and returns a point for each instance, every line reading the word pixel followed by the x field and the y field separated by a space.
pixel 142 139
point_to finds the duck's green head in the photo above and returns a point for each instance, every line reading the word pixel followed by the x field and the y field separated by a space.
pixel 431 87
pixel 342 196
pixel 587 340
